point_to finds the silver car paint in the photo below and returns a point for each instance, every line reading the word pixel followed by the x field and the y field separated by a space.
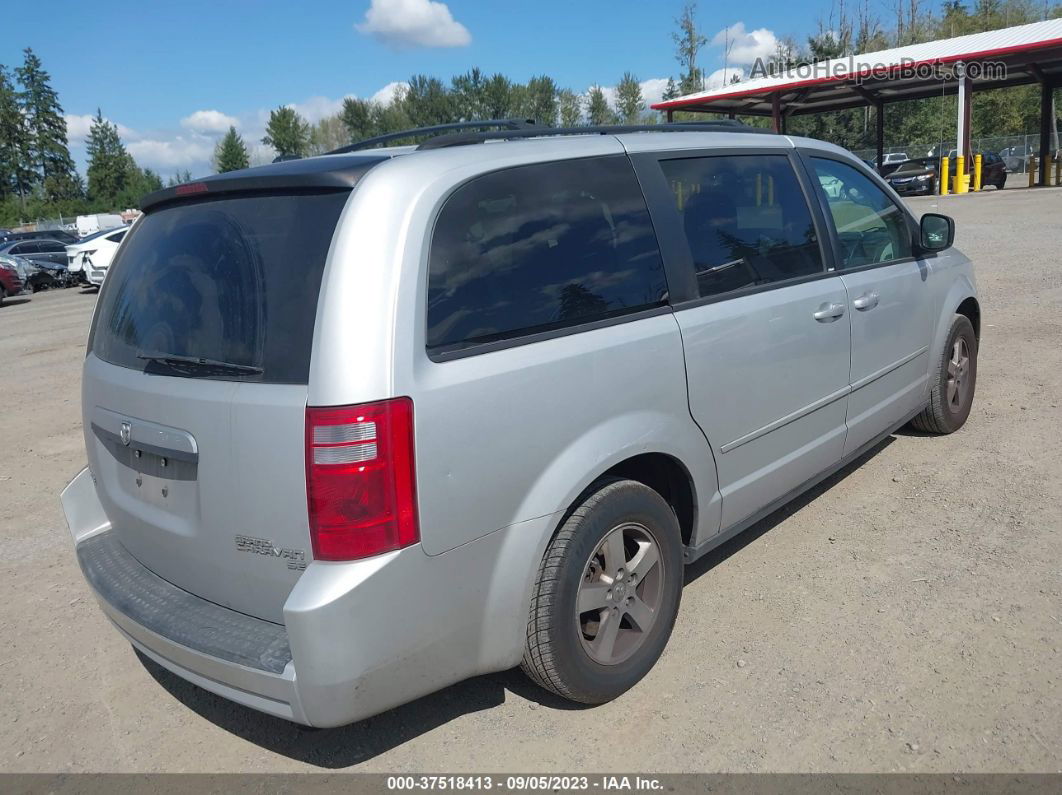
pixel 505 440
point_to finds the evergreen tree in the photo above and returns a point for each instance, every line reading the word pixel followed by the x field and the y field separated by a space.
pixel 230 154
pixel 287 133
pixel 108 162
pixel 629 102
pixel 597 110
pixel 671 90
pixel 46 127
pixel 688 43
pixel 16 174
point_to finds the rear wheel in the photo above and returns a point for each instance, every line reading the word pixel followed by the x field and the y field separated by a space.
pixel 607 594
pixel 955 380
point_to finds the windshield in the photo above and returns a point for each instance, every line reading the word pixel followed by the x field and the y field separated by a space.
pixel 230 283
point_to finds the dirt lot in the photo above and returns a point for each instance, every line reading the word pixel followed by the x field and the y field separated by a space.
pixel 905 616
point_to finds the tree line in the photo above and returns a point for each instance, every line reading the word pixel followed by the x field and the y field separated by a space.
pixel 37 174
pixel 38 177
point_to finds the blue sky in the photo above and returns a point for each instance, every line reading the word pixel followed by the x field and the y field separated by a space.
pixel 174 75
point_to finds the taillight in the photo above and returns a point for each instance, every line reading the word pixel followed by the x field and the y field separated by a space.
pixel 360 479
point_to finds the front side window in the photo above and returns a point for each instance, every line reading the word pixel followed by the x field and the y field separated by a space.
pixel 540 247
pixel 870 227
pixel 746 220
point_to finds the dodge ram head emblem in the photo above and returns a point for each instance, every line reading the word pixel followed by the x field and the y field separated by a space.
pixel 127 433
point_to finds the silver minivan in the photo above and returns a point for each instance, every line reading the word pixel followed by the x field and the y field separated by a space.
pixel 363 425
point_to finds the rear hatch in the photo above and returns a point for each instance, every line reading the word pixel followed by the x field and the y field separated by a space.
pixel 194 391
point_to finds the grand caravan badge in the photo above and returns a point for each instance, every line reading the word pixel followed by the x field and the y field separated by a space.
pixel 295 558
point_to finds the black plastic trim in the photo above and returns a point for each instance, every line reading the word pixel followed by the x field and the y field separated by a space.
pixel 475 349
pixel 339 172
pixel 181 617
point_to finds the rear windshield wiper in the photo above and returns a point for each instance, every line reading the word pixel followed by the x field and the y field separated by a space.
pixel 179 360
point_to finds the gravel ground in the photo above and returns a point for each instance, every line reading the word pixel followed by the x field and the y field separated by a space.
pixel 907 615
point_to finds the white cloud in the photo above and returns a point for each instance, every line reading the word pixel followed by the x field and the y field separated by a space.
pixel 653 90
pixel 316 108
pixel 389 93
pixel 413 23
pixel 746 45
pixel 78 126
pixel 177 153
pixel 209 121
pixel 723 77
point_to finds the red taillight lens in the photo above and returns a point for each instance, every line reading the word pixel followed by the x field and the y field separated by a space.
pixel 360 479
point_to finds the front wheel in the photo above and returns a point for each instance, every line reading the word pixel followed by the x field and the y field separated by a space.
pixel 607 594
pixel 955 379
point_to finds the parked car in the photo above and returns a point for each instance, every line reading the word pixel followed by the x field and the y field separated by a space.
pixel 94 253
pixel 913 178
pixel 50 258
pixel 10 282
pixel 993 170
pixel 44 234
pixel 446 410
pixel 890 162
pixel 50 251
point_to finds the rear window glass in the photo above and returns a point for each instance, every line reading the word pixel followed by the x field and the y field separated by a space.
pixel 232 280
pixel 541 247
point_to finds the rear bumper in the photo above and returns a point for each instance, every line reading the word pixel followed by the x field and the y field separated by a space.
pixel 359 637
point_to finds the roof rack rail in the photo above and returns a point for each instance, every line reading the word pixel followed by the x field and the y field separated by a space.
pixel 369 143
pixel 721 125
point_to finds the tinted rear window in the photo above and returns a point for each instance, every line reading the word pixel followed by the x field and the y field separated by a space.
pixel 234 280
pixel 540 247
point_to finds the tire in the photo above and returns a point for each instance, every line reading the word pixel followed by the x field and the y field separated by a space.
pixel 3 295
pixel 950 403
pixel 569 653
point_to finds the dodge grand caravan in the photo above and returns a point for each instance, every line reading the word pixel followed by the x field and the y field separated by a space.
pixel 363 425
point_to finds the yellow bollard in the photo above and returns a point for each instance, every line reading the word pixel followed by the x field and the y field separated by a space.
pixel 945 163
pixel 1047 171
pixel 962 183
pixel 977 173
pixel 1032 170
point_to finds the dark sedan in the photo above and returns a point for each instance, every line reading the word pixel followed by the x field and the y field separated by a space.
pixel 914 178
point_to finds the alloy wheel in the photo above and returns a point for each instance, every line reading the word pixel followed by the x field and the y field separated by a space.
pixel 958 375
pixel 620 594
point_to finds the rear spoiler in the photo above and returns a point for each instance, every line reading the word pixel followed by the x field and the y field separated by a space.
pixel 338 172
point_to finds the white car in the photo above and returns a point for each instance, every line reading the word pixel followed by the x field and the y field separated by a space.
pixel 892 158
pixel 93 254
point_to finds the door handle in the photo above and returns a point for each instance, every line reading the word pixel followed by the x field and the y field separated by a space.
pixel 827 313
pixel 866 301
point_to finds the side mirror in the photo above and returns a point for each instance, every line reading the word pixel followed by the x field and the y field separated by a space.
pixel 937 232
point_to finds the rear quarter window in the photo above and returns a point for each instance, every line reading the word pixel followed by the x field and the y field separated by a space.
pixel 540 247
pixel 234 280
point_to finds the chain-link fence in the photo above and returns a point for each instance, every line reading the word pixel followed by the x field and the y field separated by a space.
pixel 1016 150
